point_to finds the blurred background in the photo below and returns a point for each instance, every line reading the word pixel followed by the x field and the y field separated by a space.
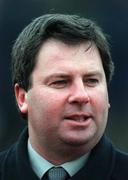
pixel 111 15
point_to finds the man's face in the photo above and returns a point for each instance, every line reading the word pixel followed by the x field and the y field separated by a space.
pixel 67 104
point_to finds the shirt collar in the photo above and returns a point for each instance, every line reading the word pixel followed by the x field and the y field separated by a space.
pixel 41 165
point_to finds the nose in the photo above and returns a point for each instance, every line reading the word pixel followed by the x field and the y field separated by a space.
pixel 79 94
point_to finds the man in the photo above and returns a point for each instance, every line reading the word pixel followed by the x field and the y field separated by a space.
pixel 61 69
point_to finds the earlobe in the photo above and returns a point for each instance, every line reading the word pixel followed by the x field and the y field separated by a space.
pixel 109 105
pixel 21 97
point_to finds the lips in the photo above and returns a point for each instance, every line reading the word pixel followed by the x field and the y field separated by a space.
pixel 78 117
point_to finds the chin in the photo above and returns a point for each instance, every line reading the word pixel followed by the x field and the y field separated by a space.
pixel 85 141
pixel 76 142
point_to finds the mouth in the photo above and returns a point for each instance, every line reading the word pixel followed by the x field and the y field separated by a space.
pixel 78 117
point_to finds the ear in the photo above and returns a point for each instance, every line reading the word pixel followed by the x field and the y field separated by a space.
pixel 21 98
pixel 109 105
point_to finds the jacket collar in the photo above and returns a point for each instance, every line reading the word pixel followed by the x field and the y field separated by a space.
pixel 99 165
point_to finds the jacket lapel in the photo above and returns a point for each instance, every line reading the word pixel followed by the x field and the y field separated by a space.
pixel 100 163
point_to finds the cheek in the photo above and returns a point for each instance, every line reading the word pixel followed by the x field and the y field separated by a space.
pixel 53 108
pixel 100 105
pixel 45 104
pixel 100 102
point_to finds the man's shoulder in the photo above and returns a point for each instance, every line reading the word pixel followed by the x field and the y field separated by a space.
pixel 121 158
pixel 7 154
pixel 2 158
pixel 120 168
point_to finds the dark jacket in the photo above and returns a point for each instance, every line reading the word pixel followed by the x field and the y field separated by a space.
pixel 105 163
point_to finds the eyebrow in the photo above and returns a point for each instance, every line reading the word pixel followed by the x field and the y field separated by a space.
pixel 93 73
pixel 67 75
pixel 62 75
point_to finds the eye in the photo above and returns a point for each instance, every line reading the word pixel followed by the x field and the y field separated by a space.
pixel 58 84
pixel 92 82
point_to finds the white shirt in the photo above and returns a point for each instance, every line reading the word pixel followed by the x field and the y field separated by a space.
pixel 41 165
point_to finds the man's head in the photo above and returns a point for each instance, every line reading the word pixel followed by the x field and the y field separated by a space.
pixel 63 65
pixel 70 29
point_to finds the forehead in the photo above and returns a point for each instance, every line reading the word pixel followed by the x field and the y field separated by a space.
pixel 57 54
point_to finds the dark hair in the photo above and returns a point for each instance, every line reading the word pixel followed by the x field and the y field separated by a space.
pixel 67 28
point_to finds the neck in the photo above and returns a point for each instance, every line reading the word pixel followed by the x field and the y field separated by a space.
pixel 62 155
